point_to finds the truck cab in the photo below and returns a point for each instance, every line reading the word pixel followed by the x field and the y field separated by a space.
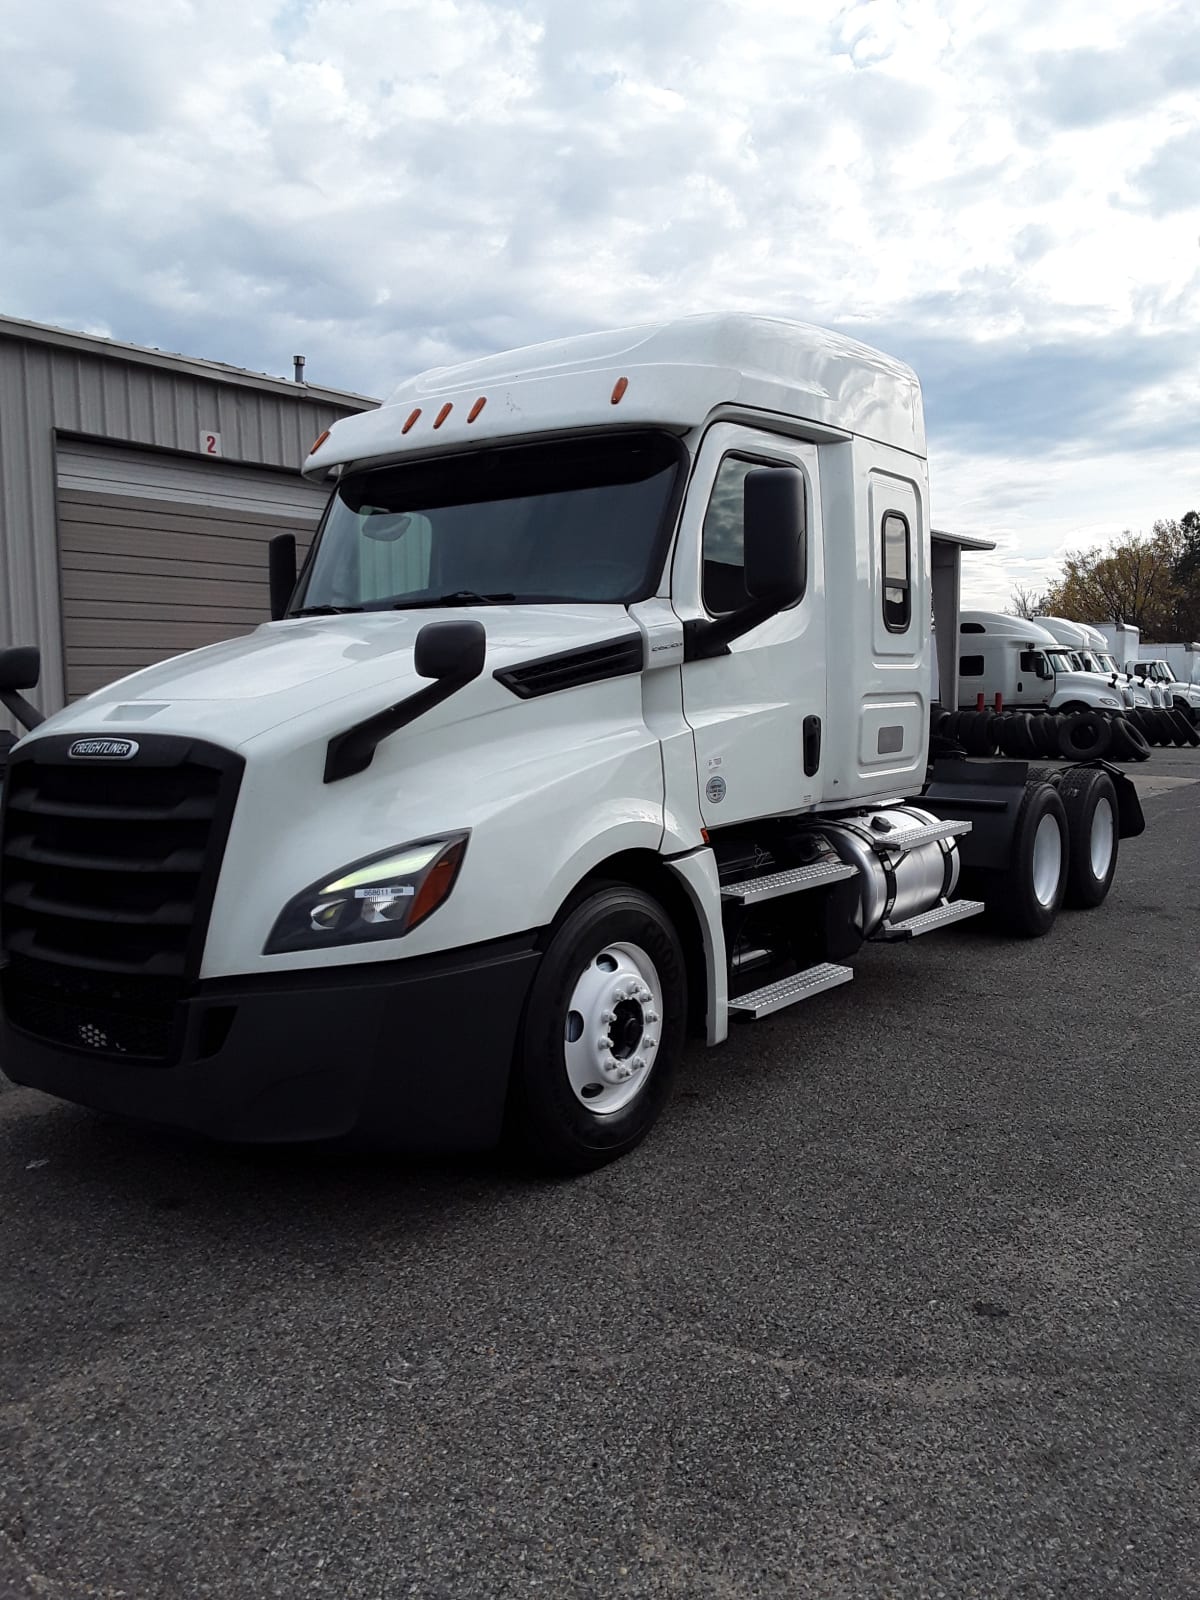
pixel 1159 676
pixel 597 717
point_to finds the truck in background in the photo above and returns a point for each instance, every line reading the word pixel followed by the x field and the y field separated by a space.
pixel 1026 665
pixel 1158 673
pixel 1089 647
pixel 598 716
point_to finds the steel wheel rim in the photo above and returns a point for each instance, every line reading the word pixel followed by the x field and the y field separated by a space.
pixel 1104 832
pixel 1047 860
pixel 612 1032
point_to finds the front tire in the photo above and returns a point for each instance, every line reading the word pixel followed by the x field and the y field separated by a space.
pixel 603 1033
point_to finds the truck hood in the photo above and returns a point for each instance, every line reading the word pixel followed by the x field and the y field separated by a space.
pixel 233 692
pixel 1090 685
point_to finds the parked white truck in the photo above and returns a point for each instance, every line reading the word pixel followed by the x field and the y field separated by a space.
pixel 1090 648
pixel 599 715
pixel 1026 665
pixel 1176 692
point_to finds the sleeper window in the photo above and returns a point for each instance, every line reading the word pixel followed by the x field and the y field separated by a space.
pixel 897 572
pixel 970 666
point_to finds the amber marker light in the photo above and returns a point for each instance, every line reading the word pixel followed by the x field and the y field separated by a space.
pixel 443 414
pixel 619 389
pixel 318 442
pixel 412 420
pixel 477 408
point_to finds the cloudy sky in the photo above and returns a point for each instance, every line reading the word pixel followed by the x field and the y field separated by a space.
pixel 1006 193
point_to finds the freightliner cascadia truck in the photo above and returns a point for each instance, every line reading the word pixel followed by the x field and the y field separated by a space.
pixel 597 717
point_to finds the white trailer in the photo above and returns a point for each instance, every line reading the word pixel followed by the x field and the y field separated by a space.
pixel 598 716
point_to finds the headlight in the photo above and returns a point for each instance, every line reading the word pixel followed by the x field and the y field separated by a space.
pixel 381 897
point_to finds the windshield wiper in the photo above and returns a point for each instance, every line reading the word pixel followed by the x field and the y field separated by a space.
pixel 324 611
pixel 459 597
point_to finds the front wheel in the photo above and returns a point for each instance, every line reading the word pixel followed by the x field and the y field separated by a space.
pixel 603 1032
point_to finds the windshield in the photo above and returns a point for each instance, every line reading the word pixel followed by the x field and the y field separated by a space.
pixel 1060 661
pixel 578 519
pixel 1107 664
pixel 1091 661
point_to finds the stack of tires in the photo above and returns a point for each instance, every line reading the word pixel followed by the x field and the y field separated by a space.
pixel 1162 726
pixel 1071 735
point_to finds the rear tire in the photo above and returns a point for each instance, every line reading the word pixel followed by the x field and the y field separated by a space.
pixel 1089 799
pixel 611 992
pixel 1025 898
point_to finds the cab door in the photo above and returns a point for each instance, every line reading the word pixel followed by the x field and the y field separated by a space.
pixel 758 712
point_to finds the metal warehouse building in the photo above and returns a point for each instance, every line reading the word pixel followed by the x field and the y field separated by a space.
pixel 138 491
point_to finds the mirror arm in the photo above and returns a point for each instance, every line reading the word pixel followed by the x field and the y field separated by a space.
pixel 28 716
pixel 704 638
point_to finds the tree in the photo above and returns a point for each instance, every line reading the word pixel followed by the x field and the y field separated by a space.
pixel 1133 581
pixel 1185 535
pixel 1026 602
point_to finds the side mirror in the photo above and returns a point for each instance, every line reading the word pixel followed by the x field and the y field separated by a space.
pixel 1045 671
pixel 281 564
pixel 20 667
pixel 450 650
pixel 452 654
pixel 776 555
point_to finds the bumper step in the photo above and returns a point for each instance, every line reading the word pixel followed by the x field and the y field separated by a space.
pixel 752 890
pixel 926 833
pixel 928 921
pixel 789 991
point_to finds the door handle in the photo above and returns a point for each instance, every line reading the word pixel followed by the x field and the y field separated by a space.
pixel 812 745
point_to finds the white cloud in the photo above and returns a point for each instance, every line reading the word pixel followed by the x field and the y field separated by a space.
pixel 1007 198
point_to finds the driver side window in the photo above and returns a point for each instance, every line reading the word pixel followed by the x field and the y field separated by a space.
pixel 723 542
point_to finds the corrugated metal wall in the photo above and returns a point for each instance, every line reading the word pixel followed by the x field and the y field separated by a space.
pixel 161 554
pixel 48 388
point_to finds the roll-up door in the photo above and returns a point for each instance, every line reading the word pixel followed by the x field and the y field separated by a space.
pixel 161 553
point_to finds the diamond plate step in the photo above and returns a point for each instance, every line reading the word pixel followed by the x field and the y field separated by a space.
pixel 801 986
pixel 926 833
pixel 752 890
pixel 929 921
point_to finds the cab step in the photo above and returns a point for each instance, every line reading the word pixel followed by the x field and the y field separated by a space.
pixel 753 890
pixel 925 833
pixel 928 921
pixel 789 991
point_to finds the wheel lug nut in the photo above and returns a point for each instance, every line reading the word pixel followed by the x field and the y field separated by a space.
pixel 652 1016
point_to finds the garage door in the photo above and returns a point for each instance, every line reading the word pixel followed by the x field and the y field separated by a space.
pixel 160 554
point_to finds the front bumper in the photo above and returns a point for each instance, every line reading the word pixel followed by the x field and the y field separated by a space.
pixel 411 1054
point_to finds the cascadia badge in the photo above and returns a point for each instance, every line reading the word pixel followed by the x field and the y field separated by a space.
pixel 104 749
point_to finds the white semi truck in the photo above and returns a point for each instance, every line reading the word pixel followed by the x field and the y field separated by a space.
pixel 1090 648
pixel 598 717
pixel 1026 665
pixel 1176 692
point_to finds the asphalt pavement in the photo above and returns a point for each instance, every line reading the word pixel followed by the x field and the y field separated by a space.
pixel 901 1299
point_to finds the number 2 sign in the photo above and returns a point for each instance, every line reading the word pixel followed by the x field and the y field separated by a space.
pixel 210 443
